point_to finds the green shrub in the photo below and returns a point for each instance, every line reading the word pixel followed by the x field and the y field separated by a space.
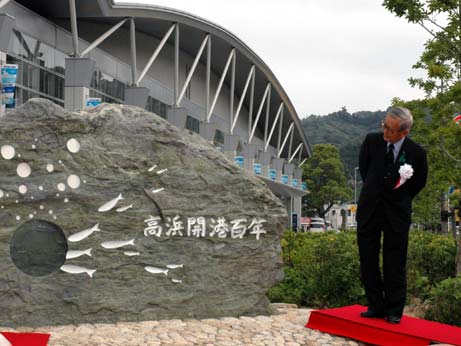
pixel 322 269
pixel 445 302
pixel 431 259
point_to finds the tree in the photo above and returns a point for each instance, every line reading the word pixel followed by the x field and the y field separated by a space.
pixel 436 131
pixel 326 180
pixel 442 55
pixel 434 127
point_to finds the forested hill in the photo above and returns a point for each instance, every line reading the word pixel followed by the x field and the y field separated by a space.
pixel 344 130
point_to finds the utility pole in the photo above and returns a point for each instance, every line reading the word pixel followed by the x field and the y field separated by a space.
pixel 457 236
pixel 355 193
pixel 444 213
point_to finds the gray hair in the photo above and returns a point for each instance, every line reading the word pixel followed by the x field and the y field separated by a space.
pixel 403 114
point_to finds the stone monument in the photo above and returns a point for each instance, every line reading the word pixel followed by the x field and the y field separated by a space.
pixel 113 214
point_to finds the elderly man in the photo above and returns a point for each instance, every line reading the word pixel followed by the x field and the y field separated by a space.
pixel 393 170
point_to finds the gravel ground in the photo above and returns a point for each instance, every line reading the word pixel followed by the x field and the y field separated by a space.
pixel 285 329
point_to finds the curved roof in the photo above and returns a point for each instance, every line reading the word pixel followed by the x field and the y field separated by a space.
pixel 192 31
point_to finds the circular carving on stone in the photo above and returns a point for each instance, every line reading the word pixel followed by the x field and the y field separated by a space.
pixel 73 145
pixel 50 167
pixel 24 170
pixel 8 152
pixel 38 247
pixel 22 189
pixel 73 181
pixel 61 187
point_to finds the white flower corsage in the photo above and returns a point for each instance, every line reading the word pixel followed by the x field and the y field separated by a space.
pixel 406 172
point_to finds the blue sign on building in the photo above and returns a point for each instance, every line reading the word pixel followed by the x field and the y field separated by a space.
pixel 257 168
pixel 272 174
pixel 93 101
pixel 239 160
pixel 304 186
pixel 285 178
pixel 294 182
pixel 9 74
pixel 8 95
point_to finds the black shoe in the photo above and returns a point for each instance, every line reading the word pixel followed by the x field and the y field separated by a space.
pixel 393 319
pixel 373 314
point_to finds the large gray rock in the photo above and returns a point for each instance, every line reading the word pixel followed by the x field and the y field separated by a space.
pixel 221 276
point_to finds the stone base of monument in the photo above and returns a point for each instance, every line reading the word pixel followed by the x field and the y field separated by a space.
pixel 113 214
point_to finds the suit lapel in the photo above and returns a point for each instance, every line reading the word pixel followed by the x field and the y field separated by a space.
pixel 382 149
pixel 401 156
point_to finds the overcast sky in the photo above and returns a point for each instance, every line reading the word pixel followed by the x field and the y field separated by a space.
pixel 325 53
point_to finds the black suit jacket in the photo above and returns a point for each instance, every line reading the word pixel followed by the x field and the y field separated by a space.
pixel 378 191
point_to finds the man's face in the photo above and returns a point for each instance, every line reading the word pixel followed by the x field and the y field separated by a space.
pixel 391 129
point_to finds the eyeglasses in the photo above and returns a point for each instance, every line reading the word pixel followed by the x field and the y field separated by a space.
pixel 388 129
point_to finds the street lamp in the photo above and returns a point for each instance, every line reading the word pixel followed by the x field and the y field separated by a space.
pixel 355 195
pixel 355 185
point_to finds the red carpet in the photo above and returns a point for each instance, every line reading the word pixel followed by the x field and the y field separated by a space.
pixel 411 331
pixel 27 339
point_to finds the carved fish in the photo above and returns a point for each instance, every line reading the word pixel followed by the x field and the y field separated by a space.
pixel 155 270
pixel 109 205
pixel 162 171
pixel 131 253
pixel 174 266
pixel 122 209
pixel 115 244
pixel 152 168
pixel 176 281
pixel 77 253
pixel 83 234
pixel 73 269
pixel 158 190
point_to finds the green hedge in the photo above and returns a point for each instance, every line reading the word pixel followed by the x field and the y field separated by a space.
pixel 445 302
pixel 431 259
pixel 322 269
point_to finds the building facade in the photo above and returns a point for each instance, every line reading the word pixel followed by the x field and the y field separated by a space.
pixel 192 72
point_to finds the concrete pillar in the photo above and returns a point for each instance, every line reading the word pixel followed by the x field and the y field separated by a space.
pixel 277 164
pixel 297 209
pixel 208 130
pixel 264 159
pixel 288 170
pixel 177 116
pixel 230 146
pixel 2 62
pixel 249 153
pixel 75 98
pixel 298 175
pixel 136 96
pixel 79 72
pixel 6 29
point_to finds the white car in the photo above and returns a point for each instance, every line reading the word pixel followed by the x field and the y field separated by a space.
pixel 317 224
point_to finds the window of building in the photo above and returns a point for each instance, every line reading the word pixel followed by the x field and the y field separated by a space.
pixel 35 81
pixel 218 138
pixel 41 70
pixel 192 124
pixel 155 106
pixel 112 90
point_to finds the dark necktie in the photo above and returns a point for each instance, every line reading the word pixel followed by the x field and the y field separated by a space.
pixel 390 154
pixel 389 164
